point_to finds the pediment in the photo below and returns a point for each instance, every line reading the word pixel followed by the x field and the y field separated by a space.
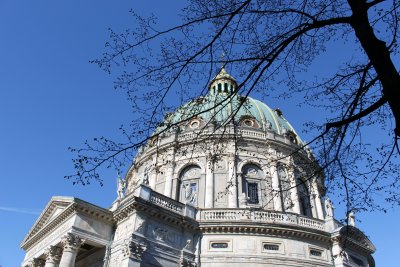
pixel 52 210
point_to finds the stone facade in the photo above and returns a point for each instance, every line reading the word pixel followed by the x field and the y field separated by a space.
pixel 209 189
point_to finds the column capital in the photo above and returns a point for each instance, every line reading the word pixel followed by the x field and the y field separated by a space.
pixel 72 242
pixel 133 249
pixel 36 262
pixel 53 254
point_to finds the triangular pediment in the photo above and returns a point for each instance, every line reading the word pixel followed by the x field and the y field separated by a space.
pixel 52 210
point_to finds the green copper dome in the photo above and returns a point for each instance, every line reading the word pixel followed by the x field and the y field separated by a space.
pixel 221 106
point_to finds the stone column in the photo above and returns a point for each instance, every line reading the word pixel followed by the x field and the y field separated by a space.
pixel 71 244
pixel 53 256
pixel 318 200
pixel 153 175
pixel 232 182
pixel 209 197
pixel 276 190
pixel 169 175
pixel 294 197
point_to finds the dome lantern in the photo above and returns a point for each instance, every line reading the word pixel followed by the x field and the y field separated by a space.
pixel 223 83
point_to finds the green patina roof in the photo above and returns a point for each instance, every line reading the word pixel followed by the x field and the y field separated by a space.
pixel 221 105
pixel 220 108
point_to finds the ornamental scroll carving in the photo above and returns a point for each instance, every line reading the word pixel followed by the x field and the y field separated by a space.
pixel 72 242
pixel 133 249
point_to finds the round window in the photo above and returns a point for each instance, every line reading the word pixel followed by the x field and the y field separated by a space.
pixel 195 124
pixel 248 122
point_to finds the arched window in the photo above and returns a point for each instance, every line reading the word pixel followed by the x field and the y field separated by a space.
pixel 304 198
pixel 252 177
pixel 188 186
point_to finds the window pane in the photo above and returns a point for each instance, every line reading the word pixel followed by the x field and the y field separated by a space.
pixel 252 190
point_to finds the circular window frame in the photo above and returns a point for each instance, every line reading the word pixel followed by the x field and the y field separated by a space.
pixel 194 124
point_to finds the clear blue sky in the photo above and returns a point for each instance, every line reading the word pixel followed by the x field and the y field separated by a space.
pixel 52 98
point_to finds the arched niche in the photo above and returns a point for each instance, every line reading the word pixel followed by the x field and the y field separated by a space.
pixel 188 185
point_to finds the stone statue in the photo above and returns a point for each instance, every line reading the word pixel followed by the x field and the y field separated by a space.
pixel 146 175
pixel 328 207
pixel 121 188
pixel 351 218
pixel 190 194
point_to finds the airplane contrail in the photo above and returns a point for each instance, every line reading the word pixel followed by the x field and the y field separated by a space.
pixel 18 210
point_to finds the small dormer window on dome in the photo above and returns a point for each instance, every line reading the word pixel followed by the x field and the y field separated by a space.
pixel 223 83
pixel 292 136
pixel 248 121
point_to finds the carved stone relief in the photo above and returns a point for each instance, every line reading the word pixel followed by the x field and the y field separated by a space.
pixel 125 228
pixel 161 233
pixel 140 226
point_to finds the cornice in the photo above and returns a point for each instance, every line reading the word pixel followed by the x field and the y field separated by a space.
pixel 134 204
pixel 265 229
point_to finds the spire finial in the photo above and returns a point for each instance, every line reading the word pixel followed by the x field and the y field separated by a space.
pixel 223 60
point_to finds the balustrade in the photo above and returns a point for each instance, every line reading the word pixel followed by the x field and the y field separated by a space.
pixel 260 217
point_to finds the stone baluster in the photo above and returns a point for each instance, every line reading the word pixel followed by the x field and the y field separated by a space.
pixel 276 190
pixel 233 195
pixel 209 196
pixel 71 244
pixel 53 256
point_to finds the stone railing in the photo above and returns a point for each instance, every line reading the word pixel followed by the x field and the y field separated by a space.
pixel 236 215
pixel 165 202
pixel 253 134
pixel 144 192
pixel 192 135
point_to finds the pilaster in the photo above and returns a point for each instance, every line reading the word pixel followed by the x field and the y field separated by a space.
pixel 276 190
pixel 232 182
pixel 209 195
pixel 294 197
pixel 318 200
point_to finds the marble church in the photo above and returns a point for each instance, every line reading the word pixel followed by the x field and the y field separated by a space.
pixel 224 181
